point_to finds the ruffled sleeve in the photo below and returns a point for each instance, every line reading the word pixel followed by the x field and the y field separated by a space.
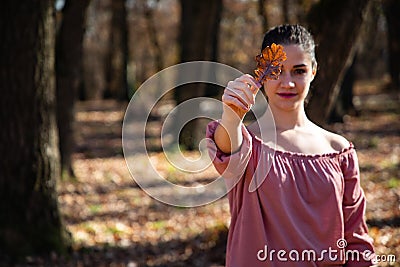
pixel 233 165
pixel 355 228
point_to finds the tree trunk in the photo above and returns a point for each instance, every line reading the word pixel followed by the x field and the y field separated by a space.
pixel 117 59
pixel 30 221
pixel 344 102
pixel 69 70
pixel 285 11
pixel 392 13
pixel 339 21
pixel 198 41
pixel 201 43
pixel 263 14
pixel 153 35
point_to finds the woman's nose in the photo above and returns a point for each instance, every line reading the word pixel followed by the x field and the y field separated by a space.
pixel 286 80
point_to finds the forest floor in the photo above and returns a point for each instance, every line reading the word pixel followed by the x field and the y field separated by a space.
pixel 114 223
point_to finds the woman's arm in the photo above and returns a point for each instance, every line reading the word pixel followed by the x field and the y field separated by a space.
pixel 355 228
pixel 239 96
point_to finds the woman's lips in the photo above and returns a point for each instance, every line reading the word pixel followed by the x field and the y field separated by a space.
pixel 287 95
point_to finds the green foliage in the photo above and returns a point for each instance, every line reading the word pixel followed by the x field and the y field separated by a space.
pixel 95 209
pixel 393 182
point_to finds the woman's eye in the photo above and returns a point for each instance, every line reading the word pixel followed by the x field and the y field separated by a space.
pixel 300 71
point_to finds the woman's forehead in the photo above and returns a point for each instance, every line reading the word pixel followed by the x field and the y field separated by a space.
pixel 296 56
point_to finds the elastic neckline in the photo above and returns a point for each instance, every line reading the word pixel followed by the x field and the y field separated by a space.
pixel 303 155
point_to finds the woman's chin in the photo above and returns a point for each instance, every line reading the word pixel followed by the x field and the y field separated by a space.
pixel 286 106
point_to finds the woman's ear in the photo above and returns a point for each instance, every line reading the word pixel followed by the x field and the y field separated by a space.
pixel 314 71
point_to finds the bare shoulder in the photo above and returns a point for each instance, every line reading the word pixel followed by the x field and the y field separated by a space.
pixel 336 141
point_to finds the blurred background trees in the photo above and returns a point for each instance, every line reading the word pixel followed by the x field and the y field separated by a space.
pixel 337 43
pixel 96 49
pixel 391 11
pixel 117 55
pixel 198 40
pixel 69 69
pixel 162 32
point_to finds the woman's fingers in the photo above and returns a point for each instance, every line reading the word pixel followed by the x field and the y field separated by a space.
pixel 244 89
pixel 250 81
pixel 240 94
pixel 248 84
pixel 234 101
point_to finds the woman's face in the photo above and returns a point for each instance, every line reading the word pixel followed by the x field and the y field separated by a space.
pixel 290 90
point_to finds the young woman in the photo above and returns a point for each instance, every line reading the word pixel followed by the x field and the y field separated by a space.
pixel 307 206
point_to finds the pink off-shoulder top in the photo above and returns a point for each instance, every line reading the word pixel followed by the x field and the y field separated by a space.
pixel 292 209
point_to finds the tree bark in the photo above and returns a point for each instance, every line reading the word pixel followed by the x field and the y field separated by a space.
pixel 30 221
pixel 117 59
pixel 198 41
pixel 285 11
pixel 69 46
pixel 153 35
pixel 344 102
pixel 263 14
pixel 201 43
pixel 335 25
pixel 392 13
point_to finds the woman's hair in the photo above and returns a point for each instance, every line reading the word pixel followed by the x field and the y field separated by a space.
pixel 289 34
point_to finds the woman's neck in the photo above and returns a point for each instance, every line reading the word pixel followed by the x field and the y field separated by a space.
pixel 287 120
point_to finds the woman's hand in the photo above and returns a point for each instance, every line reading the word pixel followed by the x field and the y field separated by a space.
pixel 238 98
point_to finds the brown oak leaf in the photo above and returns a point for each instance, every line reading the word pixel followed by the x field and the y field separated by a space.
pixel 269 63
